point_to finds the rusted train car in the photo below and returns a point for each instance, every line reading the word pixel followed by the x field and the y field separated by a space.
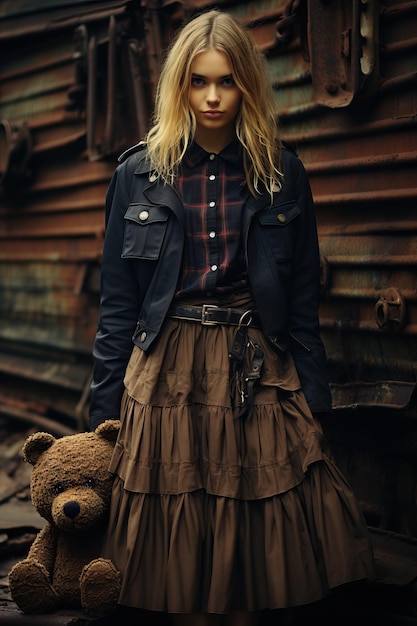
pixel 77 80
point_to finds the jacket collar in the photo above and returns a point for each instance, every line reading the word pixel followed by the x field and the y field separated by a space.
pixel 144 164
pixel 259 202
pixel 157 190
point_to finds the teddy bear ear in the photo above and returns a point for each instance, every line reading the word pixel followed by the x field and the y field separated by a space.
pixel 35 445
pixel 108 430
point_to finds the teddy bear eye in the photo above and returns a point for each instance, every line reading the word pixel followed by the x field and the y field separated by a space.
pixel 59 488
pixel 90 482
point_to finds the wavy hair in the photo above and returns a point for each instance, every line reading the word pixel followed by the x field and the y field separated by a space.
pixel 174 123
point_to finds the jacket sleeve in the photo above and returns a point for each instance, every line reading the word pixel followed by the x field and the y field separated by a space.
pixel 306 345
pixel 119 305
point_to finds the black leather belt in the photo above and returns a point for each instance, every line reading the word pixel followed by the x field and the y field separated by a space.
pixel 210 315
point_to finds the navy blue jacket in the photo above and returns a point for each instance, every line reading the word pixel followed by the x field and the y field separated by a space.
pixel 142 255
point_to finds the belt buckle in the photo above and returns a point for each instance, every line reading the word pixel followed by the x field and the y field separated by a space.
pixel 204 312
pixel 243 321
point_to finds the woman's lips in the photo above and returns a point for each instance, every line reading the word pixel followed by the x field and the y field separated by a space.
pixel 212 114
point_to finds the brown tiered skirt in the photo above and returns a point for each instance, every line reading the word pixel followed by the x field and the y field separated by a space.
pixel 212 512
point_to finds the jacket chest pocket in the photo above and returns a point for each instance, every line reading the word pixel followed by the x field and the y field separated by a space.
pixel 145 227
pixel 279 225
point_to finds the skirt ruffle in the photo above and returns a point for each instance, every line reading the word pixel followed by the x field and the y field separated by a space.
pixel 212 512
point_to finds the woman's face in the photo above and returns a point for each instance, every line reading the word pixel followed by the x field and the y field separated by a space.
pixel 214 99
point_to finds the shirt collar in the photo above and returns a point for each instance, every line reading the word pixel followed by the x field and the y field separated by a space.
pixel 195 154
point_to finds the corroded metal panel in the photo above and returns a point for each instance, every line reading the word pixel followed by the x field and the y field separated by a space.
pixel 361 160
pixel 67 108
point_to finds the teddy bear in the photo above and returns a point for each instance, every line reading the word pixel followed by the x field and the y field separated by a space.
pixel 70 488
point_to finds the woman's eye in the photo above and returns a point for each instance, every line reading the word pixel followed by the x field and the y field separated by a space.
pixel 197 82
pixel 228 82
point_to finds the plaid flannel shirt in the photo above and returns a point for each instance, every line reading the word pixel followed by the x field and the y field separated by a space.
pixel 211 188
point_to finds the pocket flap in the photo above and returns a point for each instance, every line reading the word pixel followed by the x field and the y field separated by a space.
pixel 279 215
pixel 146 213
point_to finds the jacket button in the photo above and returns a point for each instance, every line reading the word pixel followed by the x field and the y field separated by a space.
pixel 152 177
pixel 143 215
pixel 142 336
pixel 282 218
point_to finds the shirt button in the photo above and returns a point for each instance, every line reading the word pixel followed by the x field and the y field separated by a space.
pixel 143 215
pixel 212 177
pixel 142 336
pixel 212 156
pixel 282 218
pixel 212 234
pixel 213 268
pixel 212 204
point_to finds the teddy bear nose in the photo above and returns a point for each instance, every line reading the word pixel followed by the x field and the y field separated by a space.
pixel 71 509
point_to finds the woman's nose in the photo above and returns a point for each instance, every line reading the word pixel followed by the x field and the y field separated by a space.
pixel 212 94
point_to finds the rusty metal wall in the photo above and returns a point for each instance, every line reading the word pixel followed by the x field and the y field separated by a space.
pixel 345 79
pixel 76 87
pixel 68 104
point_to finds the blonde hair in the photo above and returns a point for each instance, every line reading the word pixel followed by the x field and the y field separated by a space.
pixel 256 124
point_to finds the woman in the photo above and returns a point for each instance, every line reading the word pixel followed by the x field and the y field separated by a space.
pixel 226 500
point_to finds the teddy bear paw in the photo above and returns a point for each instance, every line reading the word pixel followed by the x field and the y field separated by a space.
pixel 100 587
pixel 30 587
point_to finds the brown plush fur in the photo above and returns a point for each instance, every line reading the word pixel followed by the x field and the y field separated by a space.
pixel 70 488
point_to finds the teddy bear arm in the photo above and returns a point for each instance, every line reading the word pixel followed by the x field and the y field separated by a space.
pixel 43 549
